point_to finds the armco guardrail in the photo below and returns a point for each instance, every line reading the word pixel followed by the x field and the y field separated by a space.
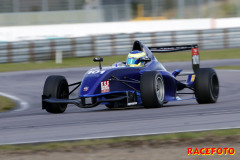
pixel 40 50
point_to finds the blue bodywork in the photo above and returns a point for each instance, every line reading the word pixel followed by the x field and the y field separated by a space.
pixel 124 79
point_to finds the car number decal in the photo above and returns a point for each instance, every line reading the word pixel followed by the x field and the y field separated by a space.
pixel 96 72
pixel 105 87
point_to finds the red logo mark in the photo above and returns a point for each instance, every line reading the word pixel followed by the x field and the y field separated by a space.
pixel 195 51
pixel 85 89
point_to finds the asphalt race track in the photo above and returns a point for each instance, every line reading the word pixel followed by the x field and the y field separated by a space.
pixel 28 123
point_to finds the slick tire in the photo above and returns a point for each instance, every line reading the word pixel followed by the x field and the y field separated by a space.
pixel 57 87
pixel 152 89
pixel 206 86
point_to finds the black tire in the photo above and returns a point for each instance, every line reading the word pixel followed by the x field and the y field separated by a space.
pixel 57 87
pixel 152 89
pixel 206 86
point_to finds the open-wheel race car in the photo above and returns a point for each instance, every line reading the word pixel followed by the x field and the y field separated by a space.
pixel 140 81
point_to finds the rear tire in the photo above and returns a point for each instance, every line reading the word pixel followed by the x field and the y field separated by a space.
pixel 57 87
pixel 206 86
pixel 152 89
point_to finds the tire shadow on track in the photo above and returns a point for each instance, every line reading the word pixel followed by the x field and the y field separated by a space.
pixel 103 109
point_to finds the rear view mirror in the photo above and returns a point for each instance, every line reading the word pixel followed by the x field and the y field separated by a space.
pixel 98 59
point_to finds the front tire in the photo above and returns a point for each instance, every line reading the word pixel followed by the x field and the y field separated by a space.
pixel 57 87
pixel 206 86
pixel 152 89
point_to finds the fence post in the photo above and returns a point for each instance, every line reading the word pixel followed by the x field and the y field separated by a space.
pixel 9 52
pixel 73 46
pixel 93 40
pixel 199 33
pixel 173 37
pixel 153 38
pixel 113 48
pixel 31 52
pixel 225 38
pixel 132 38
pixel 52 46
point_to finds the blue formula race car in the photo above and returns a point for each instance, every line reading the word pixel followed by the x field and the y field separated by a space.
pixel 140 81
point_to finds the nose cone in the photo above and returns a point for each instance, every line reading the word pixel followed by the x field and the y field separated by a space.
pixel 97 82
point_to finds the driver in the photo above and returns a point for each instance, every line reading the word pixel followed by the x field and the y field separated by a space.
pixel 134 59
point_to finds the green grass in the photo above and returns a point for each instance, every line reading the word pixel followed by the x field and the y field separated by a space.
pixel 229 67
pixel 108 60
pixel 70 145
pixel 6 104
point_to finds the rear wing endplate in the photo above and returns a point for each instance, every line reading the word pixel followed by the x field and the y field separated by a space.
pixel 193 48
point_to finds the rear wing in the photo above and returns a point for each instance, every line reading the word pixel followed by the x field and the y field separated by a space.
pixel 193 47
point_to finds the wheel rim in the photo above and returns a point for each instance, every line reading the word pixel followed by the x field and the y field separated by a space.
pixel 215 86
pixel 63 95
pixel 159 89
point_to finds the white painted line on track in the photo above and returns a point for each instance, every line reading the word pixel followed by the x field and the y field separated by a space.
pixel 117 136
pixel 22 104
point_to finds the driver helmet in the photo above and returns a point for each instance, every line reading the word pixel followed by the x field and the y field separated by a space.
pixel 134 59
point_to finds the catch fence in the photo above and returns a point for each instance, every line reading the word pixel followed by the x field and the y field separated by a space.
pixel 118 44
